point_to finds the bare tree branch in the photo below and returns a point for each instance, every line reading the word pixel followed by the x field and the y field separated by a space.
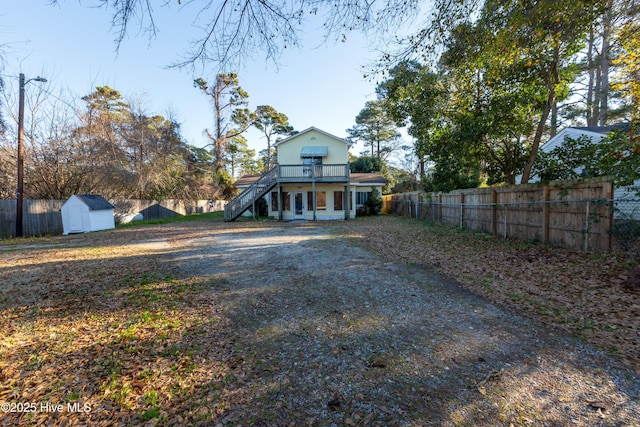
pixel 234 31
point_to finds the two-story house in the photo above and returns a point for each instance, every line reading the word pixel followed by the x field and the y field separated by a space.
pixel 311 181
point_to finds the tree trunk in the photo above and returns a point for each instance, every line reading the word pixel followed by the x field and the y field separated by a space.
pixel 604 65
pixel 554 119
pixel 535 145
pixel 596 102
pixel 219 137
pixel 591 78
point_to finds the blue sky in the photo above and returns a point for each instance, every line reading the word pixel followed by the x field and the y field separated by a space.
pixel 72 45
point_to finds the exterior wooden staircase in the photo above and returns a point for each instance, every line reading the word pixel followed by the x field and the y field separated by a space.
pixel 246 199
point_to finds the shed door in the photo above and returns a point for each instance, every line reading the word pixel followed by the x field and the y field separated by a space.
pixel 75 220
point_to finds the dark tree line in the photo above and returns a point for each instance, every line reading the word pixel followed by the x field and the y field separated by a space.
pixel 115 148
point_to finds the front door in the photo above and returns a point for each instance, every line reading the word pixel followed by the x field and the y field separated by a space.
pixel 298 205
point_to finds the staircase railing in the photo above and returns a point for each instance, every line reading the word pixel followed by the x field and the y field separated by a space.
pixel 244 200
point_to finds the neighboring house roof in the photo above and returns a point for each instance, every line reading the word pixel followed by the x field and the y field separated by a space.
pixel 312 128
pixel 246 180
pixel 368 178
pixel 356 178
pixel 595 132
pixel 95 202
pixel 603 129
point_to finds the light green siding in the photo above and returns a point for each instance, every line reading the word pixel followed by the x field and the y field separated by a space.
pixel 289 150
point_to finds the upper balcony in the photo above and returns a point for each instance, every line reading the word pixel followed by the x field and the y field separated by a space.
pixel 313 173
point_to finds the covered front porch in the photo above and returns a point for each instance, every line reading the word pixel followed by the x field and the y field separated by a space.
pixel 318 201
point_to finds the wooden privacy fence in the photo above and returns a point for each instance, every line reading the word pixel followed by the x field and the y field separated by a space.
pixel 576 215
pixel 43 217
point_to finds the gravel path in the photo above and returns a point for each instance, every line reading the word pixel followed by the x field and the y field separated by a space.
pixel 322 332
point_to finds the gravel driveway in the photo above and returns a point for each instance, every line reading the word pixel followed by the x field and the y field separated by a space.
pixel 278 324
pixel 322 332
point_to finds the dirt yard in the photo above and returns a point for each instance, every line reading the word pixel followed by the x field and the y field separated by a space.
pixel 286 324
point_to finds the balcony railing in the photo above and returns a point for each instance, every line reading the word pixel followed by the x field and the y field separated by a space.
pixel 318 173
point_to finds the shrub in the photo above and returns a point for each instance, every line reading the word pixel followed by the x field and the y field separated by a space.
pixel 373 204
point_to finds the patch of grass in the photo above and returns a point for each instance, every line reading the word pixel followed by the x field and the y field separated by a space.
pixel 175 219
pixel 72 396
pixel 129 333
pixel 151 413
pixel 150 397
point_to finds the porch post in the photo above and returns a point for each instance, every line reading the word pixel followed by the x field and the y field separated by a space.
pixel 348 192
pixel 313 198
pixel 347 197
pixel 279 203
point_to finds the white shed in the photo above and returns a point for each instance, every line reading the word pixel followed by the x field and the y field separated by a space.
pixel 83 213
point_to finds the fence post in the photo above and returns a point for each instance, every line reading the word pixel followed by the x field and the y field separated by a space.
pixel 545 214
pixel 433 211
pixel 461 210
pixel 494 212
pixel 606 223
pixel 505 221
pixel 586 228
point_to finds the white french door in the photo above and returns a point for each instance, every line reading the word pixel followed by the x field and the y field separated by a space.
pixel 298 204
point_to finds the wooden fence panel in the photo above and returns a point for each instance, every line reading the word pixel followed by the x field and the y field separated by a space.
pixel 43 217
pixel 570 214
pixel 7 218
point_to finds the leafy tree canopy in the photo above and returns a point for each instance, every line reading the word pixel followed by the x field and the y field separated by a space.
pixel 271 123
pixel 372 164
pixel 376 129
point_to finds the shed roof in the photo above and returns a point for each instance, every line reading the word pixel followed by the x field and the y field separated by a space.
pixel 95 202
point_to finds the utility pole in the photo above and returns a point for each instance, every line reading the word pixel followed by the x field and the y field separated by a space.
pixel 20 190
pixel 20 158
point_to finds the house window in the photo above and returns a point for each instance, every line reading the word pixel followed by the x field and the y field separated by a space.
pixel 286 201
pixel 362 197
pixel 321 200
pixel 338 200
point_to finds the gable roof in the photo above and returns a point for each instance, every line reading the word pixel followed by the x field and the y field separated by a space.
pixel 596 133
pixel 95 202
pixel 312 128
